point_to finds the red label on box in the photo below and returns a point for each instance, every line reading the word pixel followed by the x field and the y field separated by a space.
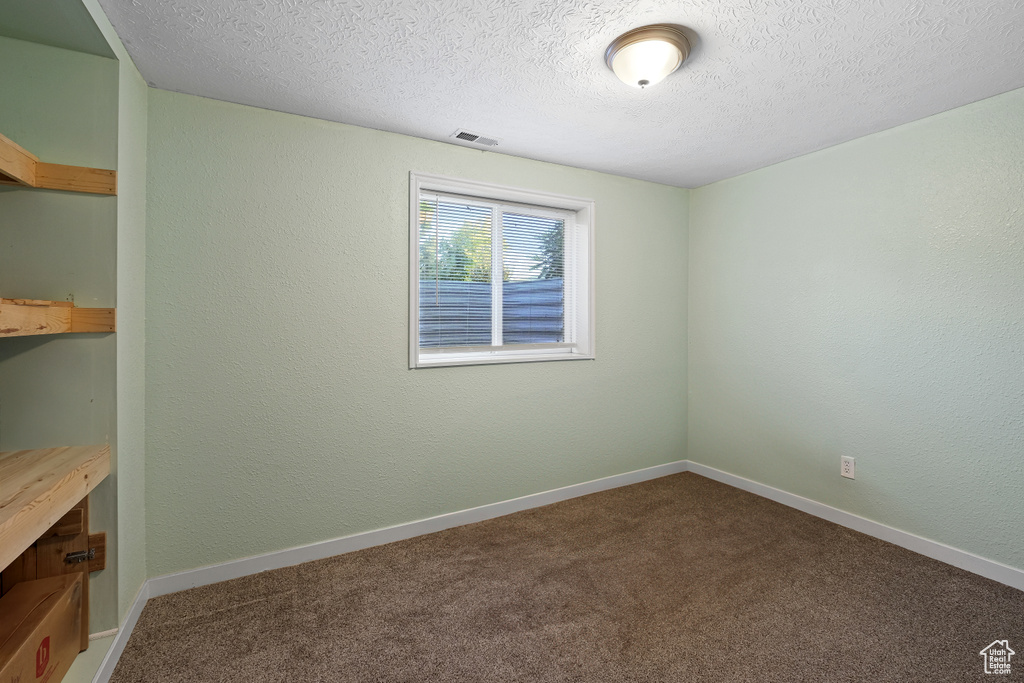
pixel 42 656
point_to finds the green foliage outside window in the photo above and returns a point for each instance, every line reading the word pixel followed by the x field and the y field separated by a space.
pixel 465 256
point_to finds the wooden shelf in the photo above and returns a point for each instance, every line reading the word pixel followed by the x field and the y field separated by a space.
pixel 24 317
pixel 38 487
pixel 22 168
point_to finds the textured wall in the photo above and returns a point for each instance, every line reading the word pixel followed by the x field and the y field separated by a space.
pixel 60 390
pixel 867 300
pixel 280 408
pixel 130 465
pixel 131 335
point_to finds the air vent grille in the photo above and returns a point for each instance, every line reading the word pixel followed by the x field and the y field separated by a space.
pixel 474 138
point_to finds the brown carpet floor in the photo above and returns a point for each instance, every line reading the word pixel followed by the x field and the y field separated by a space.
pixel 676 579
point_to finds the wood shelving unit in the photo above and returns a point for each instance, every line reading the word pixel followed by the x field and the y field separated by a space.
pixel 20 167
pixel 24 317
pixel 44 493
pixel 38 487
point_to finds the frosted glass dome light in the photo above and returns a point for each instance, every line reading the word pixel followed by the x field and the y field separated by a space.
pixel 646 55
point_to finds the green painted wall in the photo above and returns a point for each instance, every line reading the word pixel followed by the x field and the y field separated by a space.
pixel 62 107
pixel 129 466
pixel 280 407
pixel 867 300
pixel 57 23
pixel 131 333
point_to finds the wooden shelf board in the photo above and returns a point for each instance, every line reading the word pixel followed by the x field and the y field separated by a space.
pixel 38 487
pixel 17 165
pixel 20 167
pixel 25 317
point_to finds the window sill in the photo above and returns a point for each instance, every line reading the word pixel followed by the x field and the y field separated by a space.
pixel 454 358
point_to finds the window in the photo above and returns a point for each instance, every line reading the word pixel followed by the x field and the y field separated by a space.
pixel 498 274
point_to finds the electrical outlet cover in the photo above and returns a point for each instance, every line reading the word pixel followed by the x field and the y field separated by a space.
pixel 847 466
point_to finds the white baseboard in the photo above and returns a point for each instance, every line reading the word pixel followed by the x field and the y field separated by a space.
pixel 172 583
pixel 975 564
pixel 106 669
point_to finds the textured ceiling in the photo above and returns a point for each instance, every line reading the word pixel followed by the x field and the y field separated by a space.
pixel 768 79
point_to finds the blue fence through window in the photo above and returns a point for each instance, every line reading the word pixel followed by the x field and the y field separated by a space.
pixel 459 313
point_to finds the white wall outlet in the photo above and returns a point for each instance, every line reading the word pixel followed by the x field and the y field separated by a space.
pixel 847 466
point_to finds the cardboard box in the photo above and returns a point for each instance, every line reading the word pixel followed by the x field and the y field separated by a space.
pixel 40 629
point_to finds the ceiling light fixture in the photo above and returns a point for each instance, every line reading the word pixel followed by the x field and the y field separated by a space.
pixel 646 55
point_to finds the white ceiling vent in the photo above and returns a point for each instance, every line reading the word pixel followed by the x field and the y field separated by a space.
pixel 473 138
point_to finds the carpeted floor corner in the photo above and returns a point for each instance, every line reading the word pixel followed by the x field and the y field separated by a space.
pixel 676 579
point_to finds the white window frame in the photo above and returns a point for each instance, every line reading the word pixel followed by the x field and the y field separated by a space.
pixel 579 276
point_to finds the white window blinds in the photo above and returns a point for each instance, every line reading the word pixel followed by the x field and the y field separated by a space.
pixel 495 281
pixel 456 298
pixel 533 288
